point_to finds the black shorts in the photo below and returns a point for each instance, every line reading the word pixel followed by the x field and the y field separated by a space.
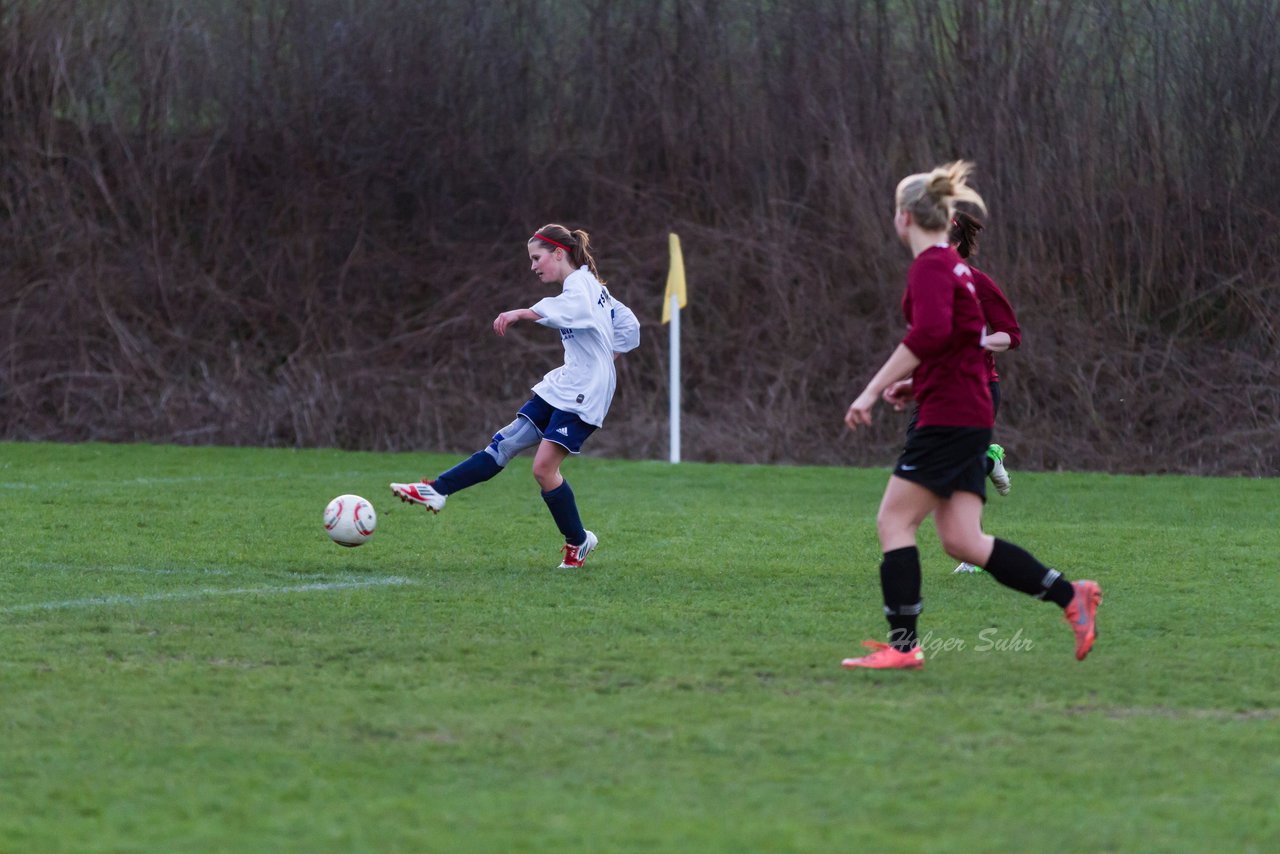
pixel 946 459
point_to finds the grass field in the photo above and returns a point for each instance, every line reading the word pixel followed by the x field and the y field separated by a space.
pixel 188 664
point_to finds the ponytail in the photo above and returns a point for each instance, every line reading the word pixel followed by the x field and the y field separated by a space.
pixel 964 233
pixel 576 243
pixel 931 197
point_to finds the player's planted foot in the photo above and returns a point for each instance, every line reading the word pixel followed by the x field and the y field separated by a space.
pixel 886 657
pixel 1082 615
pixel 420 493
pixel 966 567
pixel 999 476
pixel 576 556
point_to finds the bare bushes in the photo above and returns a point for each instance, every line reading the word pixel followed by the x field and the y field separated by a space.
pixel 291 224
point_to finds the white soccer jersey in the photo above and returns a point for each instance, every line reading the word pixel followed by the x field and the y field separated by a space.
pixel 593 326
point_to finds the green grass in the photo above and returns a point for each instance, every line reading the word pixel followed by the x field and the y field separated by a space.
pixel 188 664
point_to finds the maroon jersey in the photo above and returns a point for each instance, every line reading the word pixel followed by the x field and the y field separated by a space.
pixel 999 314
pixel 944 328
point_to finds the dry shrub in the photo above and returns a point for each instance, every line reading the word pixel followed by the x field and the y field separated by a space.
pixel 291 223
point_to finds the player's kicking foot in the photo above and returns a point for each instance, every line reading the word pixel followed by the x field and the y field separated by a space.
pixel 886 657
pixel 999 476
pixel 576 556
pixel 420 493
pixel 966 567
pixel 1082 614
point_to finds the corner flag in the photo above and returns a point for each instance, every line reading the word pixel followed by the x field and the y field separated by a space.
pixel 675 280
pixel 673 300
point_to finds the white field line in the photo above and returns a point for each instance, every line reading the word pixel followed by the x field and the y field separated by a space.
pixel 208 593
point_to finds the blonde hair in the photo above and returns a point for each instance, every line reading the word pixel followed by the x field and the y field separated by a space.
pixel 931 197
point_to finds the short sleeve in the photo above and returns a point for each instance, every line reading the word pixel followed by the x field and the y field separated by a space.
pixel 569 309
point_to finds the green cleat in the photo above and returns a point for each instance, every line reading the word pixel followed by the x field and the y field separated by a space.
pixel 998 475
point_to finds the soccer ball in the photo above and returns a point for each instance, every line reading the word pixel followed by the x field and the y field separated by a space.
pixel 350 520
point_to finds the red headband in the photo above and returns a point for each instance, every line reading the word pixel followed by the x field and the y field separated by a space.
pixel 546 239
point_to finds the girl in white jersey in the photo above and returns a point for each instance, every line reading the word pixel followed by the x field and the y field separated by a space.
pixel 570 403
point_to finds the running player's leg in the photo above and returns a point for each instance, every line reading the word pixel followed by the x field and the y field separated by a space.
pixel 959 524
pixel 995 454
pixel 903 507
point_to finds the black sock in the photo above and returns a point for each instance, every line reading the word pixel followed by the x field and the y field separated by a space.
pixel 900 584
pixel 1017 568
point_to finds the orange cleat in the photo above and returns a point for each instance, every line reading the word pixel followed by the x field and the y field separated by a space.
pixel 886 657
pixel 1082 615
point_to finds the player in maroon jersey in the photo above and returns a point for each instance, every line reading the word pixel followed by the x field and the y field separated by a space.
pixel 1002 333
pixel 942 470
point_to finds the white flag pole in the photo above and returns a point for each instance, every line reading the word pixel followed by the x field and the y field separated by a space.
pixel 675 378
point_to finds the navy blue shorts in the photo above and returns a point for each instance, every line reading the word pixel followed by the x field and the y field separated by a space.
pixel 564 428
pixel 946 459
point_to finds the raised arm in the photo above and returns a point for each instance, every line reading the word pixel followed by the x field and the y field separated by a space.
pixel 507 318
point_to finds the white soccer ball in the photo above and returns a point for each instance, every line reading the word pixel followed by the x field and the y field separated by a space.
pixel 349 520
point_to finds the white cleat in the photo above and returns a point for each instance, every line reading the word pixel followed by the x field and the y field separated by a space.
pixel 966 567
pixel 576 556
pixel 419 493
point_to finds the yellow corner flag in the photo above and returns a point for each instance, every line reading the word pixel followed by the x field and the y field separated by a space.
pixel 675 280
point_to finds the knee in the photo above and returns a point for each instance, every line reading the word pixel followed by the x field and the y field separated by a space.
pixel 893 529
pixel 952 546
pixel 517 436
pixel 545 475
pixel 962 547
pixel 893 519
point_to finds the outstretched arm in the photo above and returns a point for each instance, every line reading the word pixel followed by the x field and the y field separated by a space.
pixel 504 320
